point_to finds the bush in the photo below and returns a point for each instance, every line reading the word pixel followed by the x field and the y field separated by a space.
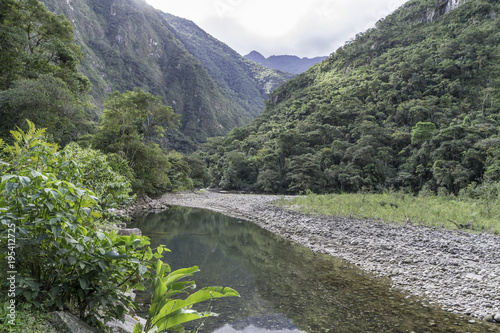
pixel 62 260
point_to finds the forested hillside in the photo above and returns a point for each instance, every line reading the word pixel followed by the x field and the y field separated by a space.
pixel 129 44
pixel 413 103
pixel 248 82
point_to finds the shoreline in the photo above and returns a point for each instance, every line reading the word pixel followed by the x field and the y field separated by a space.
pixel 455 270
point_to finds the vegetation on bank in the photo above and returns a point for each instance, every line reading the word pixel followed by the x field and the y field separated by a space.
pixel 40 82
pixel 54 219
pixel 412 104
pixel 476 209
pixel 58 256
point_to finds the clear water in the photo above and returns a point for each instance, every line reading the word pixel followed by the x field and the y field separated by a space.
pixel 286 288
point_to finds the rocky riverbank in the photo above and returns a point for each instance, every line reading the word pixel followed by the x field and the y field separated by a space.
pixel 456 270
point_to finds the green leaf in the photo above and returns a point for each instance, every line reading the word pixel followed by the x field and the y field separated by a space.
pixel 55 291
pixel 181 273
pixel 142 269
pixel 137 328
pixel 200 296
pixel 7 177
pixel 102 264
pixel 10 186
pixel 56 230
pixel 100 235
pixel 115 255
pixel 87 211
pixel 25 181
pixel 153 330
pixel 83 283
pixel 79 192
pixel 181 317
pixel 55 194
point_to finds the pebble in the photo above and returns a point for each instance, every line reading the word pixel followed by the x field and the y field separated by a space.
pixel 455 269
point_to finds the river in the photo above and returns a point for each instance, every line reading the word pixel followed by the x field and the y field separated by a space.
pixel 284 287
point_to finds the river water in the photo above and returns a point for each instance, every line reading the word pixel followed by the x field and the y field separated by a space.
pixel 284 287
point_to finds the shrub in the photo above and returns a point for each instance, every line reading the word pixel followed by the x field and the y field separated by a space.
pixel 61 258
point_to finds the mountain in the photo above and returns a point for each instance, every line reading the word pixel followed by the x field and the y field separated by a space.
pixel 249 83
pixel 286 63
pixel 411 104
pixel 128 44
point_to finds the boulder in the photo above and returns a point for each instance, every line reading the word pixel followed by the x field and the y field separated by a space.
pixel 126 326
pixel 67 323
pixel 131 231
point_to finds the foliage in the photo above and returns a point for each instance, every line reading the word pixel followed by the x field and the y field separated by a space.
pixel 133 45
pixel 39 42
pixel 131 125
pixel 98 175
pixel 168 312
pixel 48 102
pixel 248 82
pixel 28 320
pixel 411 104
pixel 39 78
pixel 62 259
pixel 477 213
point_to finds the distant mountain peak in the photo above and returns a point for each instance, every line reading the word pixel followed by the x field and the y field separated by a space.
pixel 286 63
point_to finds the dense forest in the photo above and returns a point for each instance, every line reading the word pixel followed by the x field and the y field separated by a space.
pixel 411 104
pixel 62 168
pixel 129 44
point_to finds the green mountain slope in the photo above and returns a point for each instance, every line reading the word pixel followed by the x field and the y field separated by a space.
pixel 249 83
pixel 413 103
pixel 129 44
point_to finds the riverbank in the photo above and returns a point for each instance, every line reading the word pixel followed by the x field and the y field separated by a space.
pixel 457 270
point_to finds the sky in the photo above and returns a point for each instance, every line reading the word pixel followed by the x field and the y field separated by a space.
pixel 305 28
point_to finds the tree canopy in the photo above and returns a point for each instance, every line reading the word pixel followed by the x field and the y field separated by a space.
pixel 132 126
pixel 412 104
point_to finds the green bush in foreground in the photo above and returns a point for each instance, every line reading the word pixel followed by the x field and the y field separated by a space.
pixel 49 235
pixel 466 211
pixel 49 225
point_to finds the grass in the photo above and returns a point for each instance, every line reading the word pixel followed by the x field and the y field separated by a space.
pixel 28 320
pixel 434 211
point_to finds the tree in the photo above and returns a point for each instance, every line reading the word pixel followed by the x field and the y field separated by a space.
pixel 48 102
pixel 422 131
pixel 63 259
pixel 39 75
pixel 137 113
pixel 130 125
pixel 38 42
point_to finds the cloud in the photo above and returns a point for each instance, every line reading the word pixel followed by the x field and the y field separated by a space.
pixel 273 27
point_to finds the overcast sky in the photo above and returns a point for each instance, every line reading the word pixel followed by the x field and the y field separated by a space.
pixel 306 28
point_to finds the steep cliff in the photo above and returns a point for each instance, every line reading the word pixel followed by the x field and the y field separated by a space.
pixel 129 44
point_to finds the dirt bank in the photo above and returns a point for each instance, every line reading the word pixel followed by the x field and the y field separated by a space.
pixel 457 270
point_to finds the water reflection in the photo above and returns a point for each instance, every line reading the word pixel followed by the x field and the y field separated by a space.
pixel 284 287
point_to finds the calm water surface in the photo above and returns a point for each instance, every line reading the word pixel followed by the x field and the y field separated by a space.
pixel 286 288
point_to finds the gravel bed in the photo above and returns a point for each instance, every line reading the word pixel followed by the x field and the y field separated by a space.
pixel 457 270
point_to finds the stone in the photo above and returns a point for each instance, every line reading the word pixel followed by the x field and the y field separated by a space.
pixel 128 232
pixel 67 323
pixel 497 317
pixel 489 318
pixel 126 326
pixel 473 277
